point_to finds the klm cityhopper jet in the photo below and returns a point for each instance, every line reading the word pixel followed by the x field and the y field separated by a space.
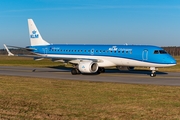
pixel 94 58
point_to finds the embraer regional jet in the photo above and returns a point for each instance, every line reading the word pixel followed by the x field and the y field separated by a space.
pixel 95 58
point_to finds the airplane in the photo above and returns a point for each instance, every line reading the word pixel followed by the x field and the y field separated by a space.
pixel 94 58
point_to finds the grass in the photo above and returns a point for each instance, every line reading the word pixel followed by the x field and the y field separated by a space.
pixel 24 61
pixel 36 98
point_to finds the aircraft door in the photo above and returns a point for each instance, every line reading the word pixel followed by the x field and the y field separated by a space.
pixel 145 54
pixel 45 51
pixel 92 51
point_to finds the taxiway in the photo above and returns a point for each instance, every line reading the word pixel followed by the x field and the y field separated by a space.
pixel 133 77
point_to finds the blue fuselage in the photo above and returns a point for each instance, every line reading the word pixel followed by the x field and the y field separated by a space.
pixel 145 53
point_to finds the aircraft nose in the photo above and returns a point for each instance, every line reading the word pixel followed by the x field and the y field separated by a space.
pixel 173 61
pixel 170 60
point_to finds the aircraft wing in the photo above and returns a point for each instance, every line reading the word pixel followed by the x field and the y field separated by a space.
pixel 21 55
pixel 19 47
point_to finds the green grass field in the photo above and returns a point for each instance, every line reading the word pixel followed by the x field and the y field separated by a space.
pixel 40 98
pixel 35 98
pixel 22 61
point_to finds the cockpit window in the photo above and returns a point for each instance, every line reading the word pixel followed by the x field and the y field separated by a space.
pixel 156 52
pixel 162 52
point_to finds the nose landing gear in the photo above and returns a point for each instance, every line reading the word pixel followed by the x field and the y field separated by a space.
pixel 153 73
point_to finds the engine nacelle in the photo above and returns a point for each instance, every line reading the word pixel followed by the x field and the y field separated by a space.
pixel 124 68
pixel 88 67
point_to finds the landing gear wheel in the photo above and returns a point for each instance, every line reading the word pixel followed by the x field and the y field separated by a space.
pixel 100 70
pixel 153 74
pixel 73 71
pixel 103 70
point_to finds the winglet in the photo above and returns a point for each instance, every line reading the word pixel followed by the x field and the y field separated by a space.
pixel 9 53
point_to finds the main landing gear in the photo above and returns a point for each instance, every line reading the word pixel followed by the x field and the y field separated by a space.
pixel 75 71
pixel 100 70
pixel 153 73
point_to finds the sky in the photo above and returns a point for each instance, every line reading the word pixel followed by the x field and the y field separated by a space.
pixel 152 22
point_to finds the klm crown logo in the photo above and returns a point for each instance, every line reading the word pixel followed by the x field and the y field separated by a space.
pixel 34 35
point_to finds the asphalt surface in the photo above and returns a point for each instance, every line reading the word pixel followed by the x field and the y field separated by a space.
pixel 132 77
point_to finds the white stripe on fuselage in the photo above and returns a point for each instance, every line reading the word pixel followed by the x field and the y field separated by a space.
pixel 109 61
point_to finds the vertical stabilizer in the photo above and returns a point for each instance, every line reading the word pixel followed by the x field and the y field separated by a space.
pixel 35 36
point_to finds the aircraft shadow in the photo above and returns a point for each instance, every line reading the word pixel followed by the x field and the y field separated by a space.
pixel 53 69
pixel 146 72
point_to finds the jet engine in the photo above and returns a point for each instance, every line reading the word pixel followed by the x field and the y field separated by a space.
pixel 88 67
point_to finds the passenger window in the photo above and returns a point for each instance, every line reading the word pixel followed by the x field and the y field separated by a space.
pixel 123 51
pixel 156 52
pixel 126 52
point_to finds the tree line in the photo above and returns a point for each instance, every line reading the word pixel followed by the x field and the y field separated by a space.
pixel 14 51
pixel 174 51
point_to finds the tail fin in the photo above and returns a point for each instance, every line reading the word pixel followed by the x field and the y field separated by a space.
pixel 35 36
